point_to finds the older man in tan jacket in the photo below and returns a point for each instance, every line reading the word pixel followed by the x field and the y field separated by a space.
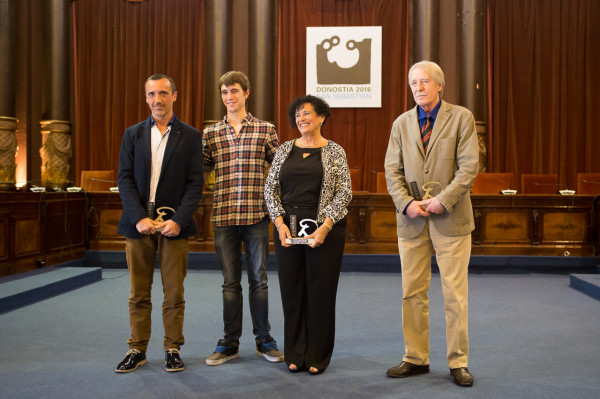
pixel 430 164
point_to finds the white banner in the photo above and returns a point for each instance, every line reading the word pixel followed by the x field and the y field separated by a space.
pixel 343 65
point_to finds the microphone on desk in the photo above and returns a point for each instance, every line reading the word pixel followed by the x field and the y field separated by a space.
pixel 507 190
pixel 113 189
pixel 564 191
pixel 103 180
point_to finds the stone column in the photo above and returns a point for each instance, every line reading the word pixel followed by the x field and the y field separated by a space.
pixel 262 68
pixel 55 125
pixel 425 30
pixel 56 152
pixel 8 151
pixel 472 68
pixel 8 122
pixel 218 55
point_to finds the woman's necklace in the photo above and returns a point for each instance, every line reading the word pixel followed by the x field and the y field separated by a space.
pixel 313 145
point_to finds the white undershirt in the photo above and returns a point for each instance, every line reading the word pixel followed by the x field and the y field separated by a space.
pixel 158 144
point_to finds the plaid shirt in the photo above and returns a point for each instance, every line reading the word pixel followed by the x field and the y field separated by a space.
pixel 240 167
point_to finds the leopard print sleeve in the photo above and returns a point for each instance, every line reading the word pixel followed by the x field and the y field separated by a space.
pixel 336 191
pixel 272 187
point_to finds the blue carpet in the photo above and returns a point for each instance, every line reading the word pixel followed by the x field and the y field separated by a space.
pixel 532 336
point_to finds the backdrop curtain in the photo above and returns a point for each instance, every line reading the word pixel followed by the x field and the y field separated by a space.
pixel 545 63
pixel 118 45
pixel 363 132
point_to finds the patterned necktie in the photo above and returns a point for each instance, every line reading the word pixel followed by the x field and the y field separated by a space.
pixel 426 133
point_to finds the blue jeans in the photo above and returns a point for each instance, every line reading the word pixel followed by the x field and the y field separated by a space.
pixel 228 245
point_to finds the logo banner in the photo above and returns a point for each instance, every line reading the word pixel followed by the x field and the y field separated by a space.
pixel 343 65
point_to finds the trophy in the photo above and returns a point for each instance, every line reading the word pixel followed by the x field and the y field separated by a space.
pixel 162 211
pixel 428 188
pixel 294 232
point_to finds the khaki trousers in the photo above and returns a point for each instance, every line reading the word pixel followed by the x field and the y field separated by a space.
pixel 452 255
pixel 173 259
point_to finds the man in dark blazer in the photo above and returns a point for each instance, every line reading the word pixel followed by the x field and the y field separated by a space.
pixel 433 150
pixel 160 182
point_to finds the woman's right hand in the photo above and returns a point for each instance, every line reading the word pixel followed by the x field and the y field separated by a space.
pixel 284 232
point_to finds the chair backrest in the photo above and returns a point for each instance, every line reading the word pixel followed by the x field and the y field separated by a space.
pixel 539 184
pixel 588 183
pixel 356 178
pixel 381 183
pixel 89 184
pixel 493 183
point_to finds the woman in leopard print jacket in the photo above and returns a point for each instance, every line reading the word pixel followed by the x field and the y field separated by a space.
pixel 307 191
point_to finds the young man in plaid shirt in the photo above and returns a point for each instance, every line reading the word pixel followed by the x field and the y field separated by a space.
pixel 239 148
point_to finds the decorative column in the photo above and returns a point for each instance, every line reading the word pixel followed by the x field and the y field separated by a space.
pixel 425 29
pixel 8 151
pixel 262 68
pixel 55 127
pixel 472 68
pixel 56 152
pixel 218 55
pixel 8 123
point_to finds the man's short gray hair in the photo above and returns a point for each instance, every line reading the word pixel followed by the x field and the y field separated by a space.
pixel 434 71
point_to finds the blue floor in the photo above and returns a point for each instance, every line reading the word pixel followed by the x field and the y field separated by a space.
pixel 532 336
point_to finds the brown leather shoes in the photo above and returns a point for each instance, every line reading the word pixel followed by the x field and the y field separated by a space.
pixel 462 376
pixel 406 369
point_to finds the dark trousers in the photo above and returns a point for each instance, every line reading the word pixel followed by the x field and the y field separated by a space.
pixel 308 279
pixel 228 245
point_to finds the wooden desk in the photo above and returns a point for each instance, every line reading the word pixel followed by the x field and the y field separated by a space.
pixel 534 224
pixel 105 212
pixel 504 225
pixel 48 228
pixel 39 229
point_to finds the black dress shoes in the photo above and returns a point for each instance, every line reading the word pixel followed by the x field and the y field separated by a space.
pixel 292 368
pixel 406 369
pixel 172 360
pixel 132 361
pixel 462 376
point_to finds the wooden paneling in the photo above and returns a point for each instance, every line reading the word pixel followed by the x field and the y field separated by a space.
pixel 27 237
pixel 564 227
pixel 534 225
pixel 505 227
pixel 4 238
pixel 40 229
pixel 104 214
